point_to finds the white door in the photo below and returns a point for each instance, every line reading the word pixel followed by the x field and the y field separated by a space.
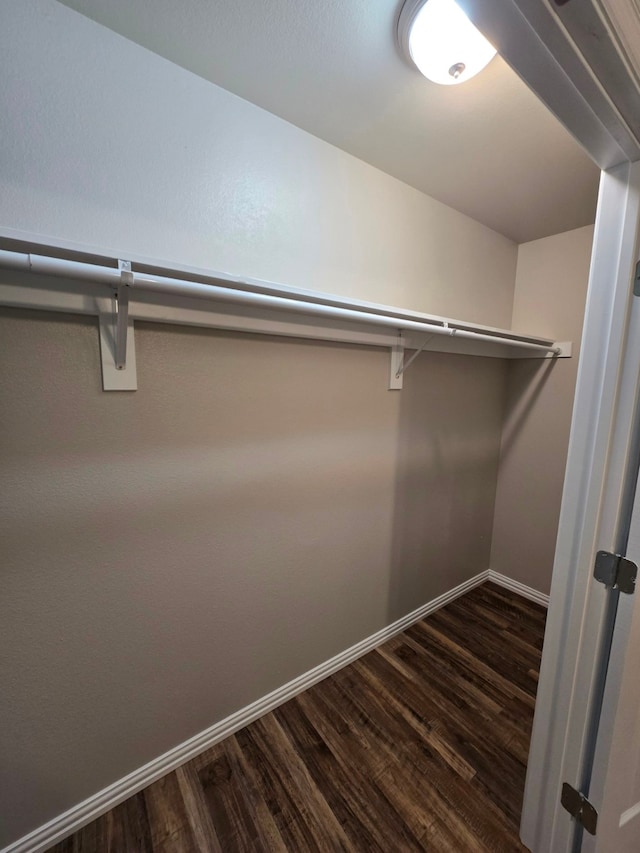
pixel 615 780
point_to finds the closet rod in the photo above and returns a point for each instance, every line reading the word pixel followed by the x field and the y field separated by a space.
pixel 179 287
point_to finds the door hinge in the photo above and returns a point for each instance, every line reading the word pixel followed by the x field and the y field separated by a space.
pixel 615 571
pixel 579 808
pixel 636 281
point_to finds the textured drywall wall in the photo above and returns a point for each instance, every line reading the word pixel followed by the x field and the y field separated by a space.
pixel 173 554
pixel 107 144
pixel 551 289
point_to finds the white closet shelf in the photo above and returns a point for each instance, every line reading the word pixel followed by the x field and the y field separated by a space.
pixel 120 291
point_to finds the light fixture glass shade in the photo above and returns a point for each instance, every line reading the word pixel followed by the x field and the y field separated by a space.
pixel 444 44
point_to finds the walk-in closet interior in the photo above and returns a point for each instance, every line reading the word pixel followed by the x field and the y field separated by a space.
pixel 268 489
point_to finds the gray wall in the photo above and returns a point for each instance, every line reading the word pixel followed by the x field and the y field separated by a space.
pixel 173 554
pixel 550 294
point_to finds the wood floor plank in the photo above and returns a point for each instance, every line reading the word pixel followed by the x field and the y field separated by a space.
pixel 124 829
pixel 521 612
pixel 239 814
pixel 347 729
pixel 420 745
pixel 433 788
pixel 199 820
pixel 426 732
pixel 476 741
pixel 440 640
pixel 166 810
pixel 460 677
pixel 484 827
pixel 357 805
pixel 303 816
pixel 485 646
pixel 526 637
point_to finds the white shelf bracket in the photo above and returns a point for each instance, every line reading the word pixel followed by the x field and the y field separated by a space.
pixel 117 341
pixel 396 364
pixel 405 365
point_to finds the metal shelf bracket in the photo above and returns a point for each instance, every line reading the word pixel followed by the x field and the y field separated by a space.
pixel 396 363
pixel 117 342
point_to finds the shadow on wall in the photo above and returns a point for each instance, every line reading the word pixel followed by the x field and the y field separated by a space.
pixel 532 465
pixel 448 451
pixel 526 381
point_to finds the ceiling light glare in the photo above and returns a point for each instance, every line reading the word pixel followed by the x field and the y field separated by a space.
pixel 442 42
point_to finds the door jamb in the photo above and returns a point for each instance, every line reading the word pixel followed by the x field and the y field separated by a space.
pixel 595 490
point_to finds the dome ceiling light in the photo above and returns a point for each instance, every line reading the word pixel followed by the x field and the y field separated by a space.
pixel 441 41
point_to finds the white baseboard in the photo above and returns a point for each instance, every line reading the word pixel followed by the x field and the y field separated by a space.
pixel 519 588
pixel 78 816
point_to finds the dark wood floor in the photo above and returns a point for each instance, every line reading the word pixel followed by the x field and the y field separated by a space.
pixel 420 745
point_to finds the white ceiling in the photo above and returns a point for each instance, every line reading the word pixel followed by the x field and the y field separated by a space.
pixel 487 148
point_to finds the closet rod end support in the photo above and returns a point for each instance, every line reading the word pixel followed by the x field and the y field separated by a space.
pixel 563 349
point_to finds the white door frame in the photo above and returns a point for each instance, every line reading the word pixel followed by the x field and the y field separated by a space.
pixel 594 502
pixel 533 36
